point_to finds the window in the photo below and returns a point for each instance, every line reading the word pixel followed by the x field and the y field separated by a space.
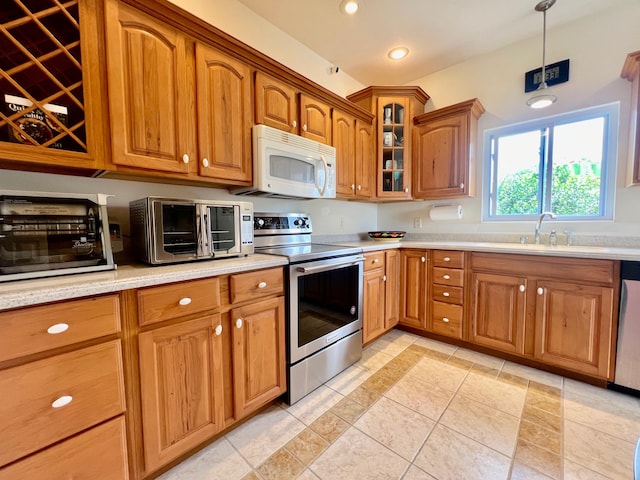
pixel 563 164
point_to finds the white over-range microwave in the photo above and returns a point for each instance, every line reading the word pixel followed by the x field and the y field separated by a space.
pixel 290 166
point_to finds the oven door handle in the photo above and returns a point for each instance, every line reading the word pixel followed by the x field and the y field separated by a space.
pixel 329 266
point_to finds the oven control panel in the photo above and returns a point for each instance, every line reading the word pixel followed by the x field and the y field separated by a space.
pixel 281 223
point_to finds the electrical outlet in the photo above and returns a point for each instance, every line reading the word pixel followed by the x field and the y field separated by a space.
pixel 417 222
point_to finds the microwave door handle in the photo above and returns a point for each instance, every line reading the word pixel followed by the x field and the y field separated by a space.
pixel 326 175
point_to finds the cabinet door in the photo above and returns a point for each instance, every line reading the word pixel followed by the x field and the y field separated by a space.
pixel 181 387
pixel 498 311
pixel 413 312
pixel 442 158
pixel 224 116
pixel 574 326
pixel 150 96
pixel 345 145
pixel 364 160
pixel 315 119
pixel 394 149
pixel 373 311
pixel 275 103
pixel 258 354
pixel 392 288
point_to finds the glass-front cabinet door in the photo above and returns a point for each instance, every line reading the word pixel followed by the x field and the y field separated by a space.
pixel 394 180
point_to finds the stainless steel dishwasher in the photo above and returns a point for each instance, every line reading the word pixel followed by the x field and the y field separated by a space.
pixel 627 377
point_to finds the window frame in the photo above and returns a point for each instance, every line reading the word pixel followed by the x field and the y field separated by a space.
pixel 611 114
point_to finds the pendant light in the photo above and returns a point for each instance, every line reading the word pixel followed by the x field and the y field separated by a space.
pixel 543 96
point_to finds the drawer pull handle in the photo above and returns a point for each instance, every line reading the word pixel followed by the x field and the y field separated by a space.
pixel 445 294
pixel 239 323
pixel 262 284
pixel 184 301
pixel 58 328
pixel 446 277
pixel 218 330
pixel 445 319
pixel 521 288
pixel 62 401
pixel 447 259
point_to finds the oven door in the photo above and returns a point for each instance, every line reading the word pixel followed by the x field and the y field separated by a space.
pixel 325 303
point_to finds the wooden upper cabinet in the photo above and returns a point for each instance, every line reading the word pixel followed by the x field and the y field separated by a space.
pixel 445 143
pixel 148 91
pixel 575 327
pixel 364 161
pixel 52 78
pixel 225 113
pixel 631 71
pixel 315 119
pixel 276 103
pixel 344 143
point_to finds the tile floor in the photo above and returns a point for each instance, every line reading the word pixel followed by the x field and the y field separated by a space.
pixel 416 409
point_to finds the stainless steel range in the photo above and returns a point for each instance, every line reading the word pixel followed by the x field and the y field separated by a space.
pixel 324 305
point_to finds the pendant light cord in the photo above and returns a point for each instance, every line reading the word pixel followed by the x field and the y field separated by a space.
pixel 543 83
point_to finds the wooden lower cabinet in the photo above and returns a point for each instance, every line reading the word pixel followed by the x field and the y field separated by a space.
pixel 498 303
pixel 181 387
pixel 373 307
pixel 413 284
pixel 258 354
pixel 574 326
pixel 381 293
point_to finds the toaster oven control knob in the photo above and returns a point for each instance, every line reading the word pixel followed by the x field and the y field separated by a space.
pixel 185 158
pixel 300 222
pixel 260 222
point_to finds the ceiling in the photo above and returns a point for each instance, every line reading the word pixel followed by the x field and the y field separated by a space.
pixel 439 33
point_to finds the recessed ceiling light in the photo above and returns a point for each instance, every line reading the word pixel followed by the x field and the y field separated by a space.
pixel 398 53
pixel 349 6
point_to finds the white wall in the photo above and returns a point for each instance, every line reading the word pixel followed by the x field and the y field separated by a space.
pixel 597 47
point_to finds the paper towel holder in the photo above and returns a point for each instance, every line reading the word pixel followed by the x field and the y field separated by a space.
pixel 438 205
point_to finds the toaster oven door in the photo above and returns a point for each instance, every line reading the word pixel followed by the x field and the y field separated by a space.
pixel 175 232
pixel 221 229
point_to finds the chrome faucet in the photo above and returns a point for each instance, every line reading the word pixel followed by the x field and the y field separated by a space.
pixel 539 224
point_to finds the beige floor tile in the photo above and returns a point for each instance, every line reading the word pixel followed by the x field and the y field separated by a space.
pixel 573 471
pixel 598 451
pixel 388 346
pixel 218 460
pixel 364 396
pixel 460 363
pixel 542 389
pixel 348 410
pixel 282 465
pixel 395 426
pixel 442 375
pixel 307 475
pixel 484 370
pixel 479 358
pixel 542 418
pixel 540 436
pixel 329 426
pixel 357 456
pixel 505 397
pixel 307 446
pixel 414 473
pixel 348 380
pixel 251 476
pixel 435 345
pixel 420 396
pixel 547 403
pixel 315 404
pixel 513 379
pixel 448 455
pixel 373 359
pixel 486 425
pixel 523 472
pixel 617 399
pixel 535 457
pixel 405 361
pixel 532 374
pixel 264 434
pixel 600 414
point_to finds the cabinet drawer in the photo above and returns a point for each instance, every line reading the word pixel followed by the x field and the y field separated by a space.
pixel 92 378
pixel 36 329
pixel 373 261
pixel 98 453
pixel 251 285
pixel 157 304
pixel 448 258
pixel 443 293
pixel 448 276
pixel 447 319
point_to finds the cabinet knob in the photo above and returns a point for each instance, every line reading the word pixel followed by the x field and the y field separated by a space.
pixel 445 319
pixel 239 323
pixel 304 127
pixel 294 124
pixel 218 330
pixel 384 278
pixel 406 190
pixel 422 259
pixel 376 260
pixel 462 186
pixel 62 401
pixel 446 277
pixel 353 187
pixel 262 284
pixel 184 301
pixel 540 290
pixel 58 328
pixel 205 162
pixel 185 158
pixel 359 187
pixel 447 259
pixel 521 288
pixel 445 294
